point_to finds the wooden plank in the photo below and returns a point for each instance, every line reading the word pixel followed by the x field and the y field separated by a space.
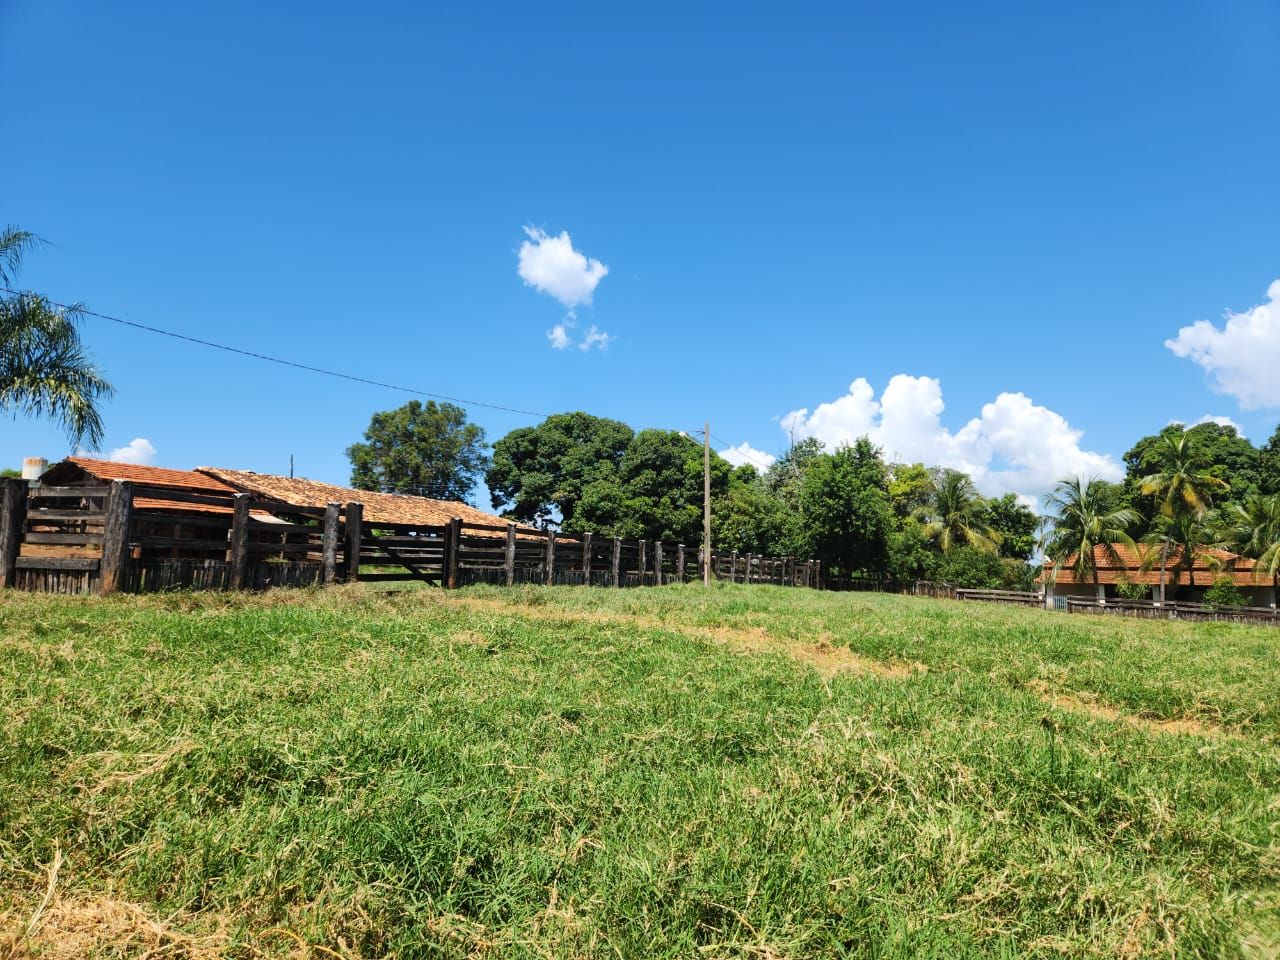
pixel 115 538
pixel 277 507
pixel 387 577
pixel 423 529
pixel 279 526
pixel 406 562
pixel 329 543
pixel 13 522
pixel 75 539
pixel 183 496
pixel 355 528
pixel 238 553
pixel 54 492
pixel 183 543
pixel 40 514
pixel 258 547
pixel 57 563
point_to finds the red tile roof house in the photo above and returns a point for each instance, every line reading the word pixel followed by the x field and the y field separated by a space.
pixel 1210 565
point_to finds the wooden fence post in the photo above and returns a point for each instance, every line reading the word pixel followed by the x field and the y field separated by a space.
pixel 817 574
pixel 551 557
pixel 733 567
pixel 657 563
pixel 586 558
pixel 509 558
pixel 643 562
pixel 114 570
pixel 616 562
pixel 454 545
pixel 680 563
pixel 748 579
pixel 13 523
pixel 329 543
pixel 355 532
pixel 238 546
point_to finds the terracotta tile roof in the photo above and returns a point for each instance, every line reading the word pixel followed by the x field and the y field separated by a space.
pixel 1208 567
pixel 384 507
pixel 107 470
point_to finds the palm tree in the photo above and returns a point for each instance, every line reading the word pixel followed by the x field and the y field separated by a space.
pixel 1184 493
pixel 44 369
pixel 1082 519
pixel 1252 529
pixel 954 516
pixel 1191 535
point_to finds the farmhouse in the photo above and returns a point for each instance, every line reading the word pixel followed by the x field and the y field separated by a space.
pixel 1142 566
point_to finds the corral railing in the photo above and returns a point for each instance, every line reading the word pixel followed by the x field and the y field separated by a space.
pixel 1171 610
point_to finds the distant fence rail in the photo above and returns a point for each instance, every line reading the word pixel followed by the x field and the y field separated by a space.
pixel 1173 610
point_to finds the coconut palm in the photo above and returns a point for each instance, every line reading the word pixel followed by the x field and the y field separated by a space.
pixel 44 369
pixel 954 515
pixel 1189 535
pixel 1252 529
pixel 1184 494
pixel 1081 519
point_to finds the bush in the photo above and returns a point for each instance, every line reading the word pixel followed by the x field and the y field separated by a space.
pixel 971 568
pixel 1224 593
pixel 1127 590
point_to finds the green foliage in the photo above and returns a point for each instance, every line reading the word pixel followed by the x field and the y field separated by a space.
pixel 1081 519
pixel 1181 468
pixel 1252 529
pixel 957 515
pixel 424 449
pixel 9 473
pixel 1014 525
pixel 911 554
pixel 750 518
pixel 911 488
pixel 540 473
pixel 1128 590
pixel 45 371
pixel 971 567
pixel 1269 465
pixel 1224 593
pixel 660 480
pixel 847 516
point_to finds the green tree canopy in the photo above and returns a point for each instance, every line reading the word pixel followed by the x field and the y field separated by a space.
pixel 847 516
pixel 45 370
pixel 1227 466
pixel 751 518
pixel 955 514
pixel 1269 464
pixel 425 449
pixel 1082 517
pixel 540 473
pixel 661 481
pixel 1014 524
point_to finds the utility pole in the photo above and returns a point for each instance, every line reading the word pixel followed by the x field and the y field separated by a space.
pixel 706 504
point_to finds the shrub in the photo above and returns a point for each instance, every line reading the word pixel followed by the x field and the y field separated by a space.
pixel 1127 590
pixel 971 568
pixel 1224 593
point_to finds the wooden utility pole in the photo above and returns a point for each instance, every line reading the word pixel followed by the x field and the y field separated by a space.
pixel 706 503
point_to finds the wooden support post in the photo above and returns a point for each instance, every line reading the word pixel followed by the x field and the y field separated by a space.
pixel 748 579
pixel 355 532
pixel 657 563
pixel 817 574
pixel 643 562
pixel 551 557
pixel 733 567
pixel 509 558
pixel 586 558
pixel 114 571
pixel 13 526
pixel 329 543
pixel 616 562
pixel 680 563
pixel 454 545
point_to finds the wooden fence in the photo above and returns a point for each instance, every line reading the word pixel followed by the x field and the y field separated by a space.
pixel 1171 610
pixel 122 536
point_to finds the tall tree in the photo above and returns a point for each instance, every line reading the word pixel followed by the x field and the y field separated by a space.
pixel 660 480
pixel 1182 491
pixel 1081 519
pixel 955 515
pixel 1269 464
pixel 1014 524
pixel 847 516
pixel 1217 451
pixel 540 474
pixel 45 371
pixel 424 449
pixel 1252 529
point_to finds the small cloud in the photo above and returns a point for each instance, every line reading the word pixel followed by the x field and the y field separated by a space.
pixel 559 337
pixel 595 338
pixel 551 265
pixel 1220 421
pixel 1242 355
pixel 745 453
pixel 139 451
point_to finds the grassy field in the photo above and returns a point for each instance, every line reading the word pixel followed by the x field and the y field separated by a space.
pixel 745 772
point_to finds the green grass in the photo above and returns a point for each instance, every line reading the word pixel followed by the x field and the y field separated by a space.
pixel 575 772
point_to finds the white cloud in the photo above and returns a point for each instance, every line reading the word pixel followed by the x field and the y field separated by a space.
pixel 551 265
pixel 595 338
pixel 139 450
pixel 559 336
pixel 1211 418
pixel 745 453
pixel 1243 355
pixel 1014 445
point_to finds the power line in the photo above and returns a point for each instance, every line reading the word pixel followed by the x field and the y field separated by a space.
pixel 285 363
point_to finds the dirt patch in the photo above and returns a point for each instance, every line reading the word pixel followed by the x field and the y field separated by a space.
pixel 1075 703
pixel 71 928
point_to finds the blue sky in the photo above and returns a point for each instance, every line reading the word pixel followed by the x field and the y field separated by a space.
pixel 1008 207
